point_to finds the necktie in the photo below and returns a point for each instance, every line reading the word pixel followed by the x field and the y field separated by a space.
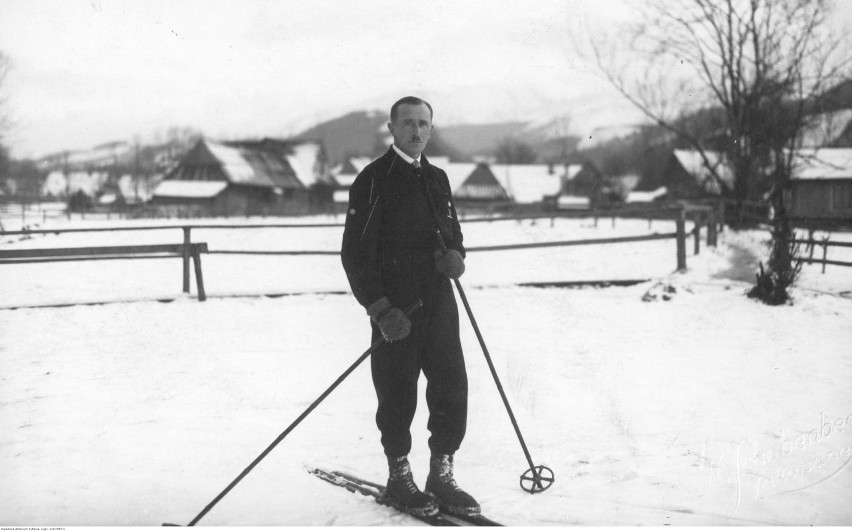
pixel 417 167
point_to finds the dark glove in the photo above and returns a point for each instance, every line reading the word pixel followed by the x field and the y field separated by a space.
pixel 450 264
pixel 392 321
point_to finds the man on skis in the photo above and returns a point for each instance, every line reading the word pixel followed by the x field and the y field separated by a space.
pixel 397 207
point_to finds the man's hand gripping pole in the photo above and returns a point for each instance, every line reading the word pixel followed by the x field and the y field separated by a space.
pixel 537 478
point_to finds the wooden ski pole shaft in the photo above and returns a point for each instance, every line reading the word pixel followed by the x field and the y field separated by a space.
pixel 537 479
pixel 296 422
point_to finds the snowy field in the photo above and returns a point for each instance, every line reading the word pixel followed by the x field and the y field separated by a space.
pixel 697 407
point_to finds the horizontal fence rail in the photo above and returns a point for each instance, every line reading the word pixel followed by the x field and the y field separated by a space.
pixel 702 216
pixel 116 252
pixel 825 243
pixel 279 253
pixel 507 247
pixel 624 239
pixel 661 214
pixel 825 262
pixel 97 252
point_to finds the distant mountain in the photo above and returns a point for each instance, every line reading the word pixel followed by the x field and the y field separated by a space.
pixel 480 139
pixel 357 134
pixel 589 119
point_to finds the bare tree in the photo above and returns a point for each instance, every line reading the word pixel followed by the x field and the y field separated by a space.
pixel 764 63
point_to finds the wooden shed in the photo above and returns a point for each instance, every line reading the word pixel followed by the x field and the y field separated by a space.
pixel 252 177
pixel 821 184
pixel 581 180
pixel 686 176
pixel 481 185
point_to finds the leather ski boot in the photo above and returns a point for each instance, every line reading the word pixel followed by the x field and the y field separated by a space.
pixel 443 487
pixel 402 493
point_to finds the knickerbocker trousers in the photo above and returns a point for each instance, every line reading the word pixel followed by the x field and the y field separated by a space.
pixel 432 347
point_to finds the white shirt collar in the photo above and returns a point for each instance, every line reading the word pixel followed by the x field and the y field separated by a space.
pixel 404 156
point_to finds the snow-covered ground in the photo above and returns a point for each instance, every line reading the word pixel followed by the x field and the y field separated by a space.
pixel 698 407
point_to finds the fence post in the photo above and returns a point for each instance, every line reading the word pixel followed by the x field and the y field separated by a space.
pixel 824 252
pixel 186 252
pixel 712 235
pixel 199 280
pixel 696 233
pixel 811 243
pixel 680 221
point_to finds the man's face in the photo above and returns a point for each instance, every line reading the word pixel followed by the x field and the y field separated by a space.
pixel 411 129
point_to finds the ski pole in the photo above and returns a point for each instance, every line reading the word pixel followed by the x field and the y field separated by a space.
pixel 539 478
pixel 296 422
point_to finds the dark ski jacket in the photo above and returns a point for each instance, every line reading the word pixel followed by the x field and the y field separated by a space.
pixel 391 225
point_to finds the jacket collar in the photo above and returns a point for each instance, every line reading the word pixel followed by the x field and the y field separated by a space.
pixel 393 158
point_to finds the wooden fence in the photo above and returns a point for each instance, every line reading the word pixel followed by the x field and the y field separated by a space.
pixel 116 252
pixel 811 243
pixel 703 217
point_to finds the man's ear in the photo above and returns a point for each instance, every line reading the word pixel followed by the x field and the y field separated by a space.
pixel 390 127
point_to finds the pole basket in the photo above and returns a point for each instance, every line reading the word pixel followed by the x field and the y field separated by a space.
pixel 537 479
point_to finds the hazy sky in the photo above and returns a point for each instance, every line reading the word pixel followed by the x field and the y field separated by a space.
pixel 88 72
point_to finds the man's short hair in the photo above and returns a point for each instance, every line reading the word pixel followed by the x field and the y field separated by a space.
pixel 409 100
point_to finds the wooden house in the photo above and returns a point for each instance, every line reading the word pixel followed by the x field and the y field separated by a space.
pixel 821 184
pixel 530 183
pixel 475 183
pixel 60 185
pixel 344 175
pixel 243 178
pixel 686 176
pixel 581 180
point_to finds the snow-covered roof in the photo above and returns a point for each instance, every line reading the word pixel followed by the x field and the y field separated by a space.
pixel 824 163
pixel 528 183
pixel 341 196
pixel 189 189
pixel 345 180
pixel 457 173
pixel 439 161
pixel 235 165
pixel 693 163
pixel 347 170
pixel 646 197
pixel 304 159
pixel 628 180
pixel 572 201
pixel 361 162
pixel 139 189
pixel 481 184
pixel 572 170
pixel 107 199
pixel 54 184
pixel 268 163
